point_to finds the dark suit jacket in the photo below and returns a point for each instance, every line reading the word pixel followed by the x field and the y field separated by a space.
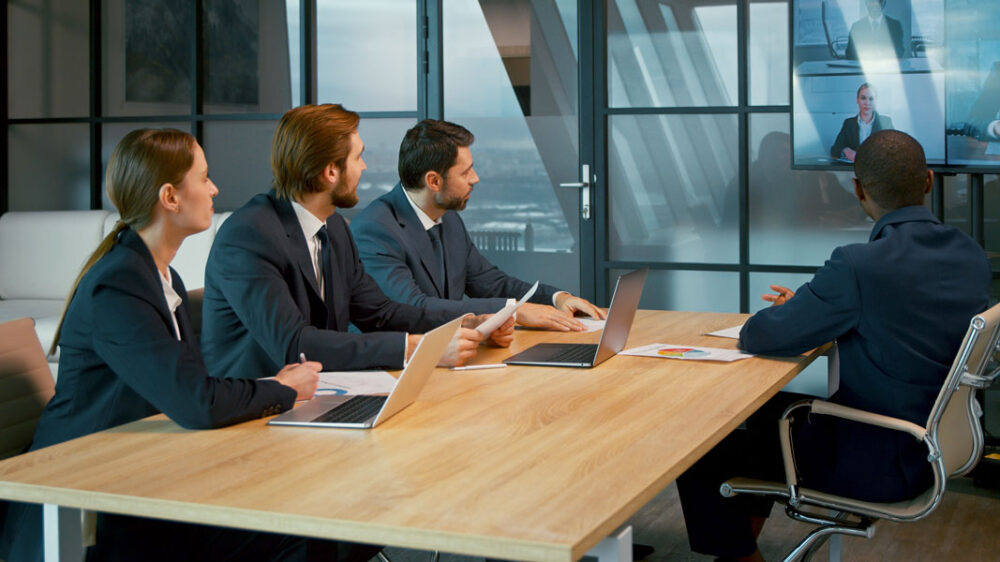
pixel 120 361
pixel 898 307
pixel 850 136
pixel 875 43
pixel 397 252
pixel 262 307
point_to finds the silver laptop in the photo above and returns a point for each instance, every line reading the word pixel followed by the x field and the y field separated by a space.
pixel 366 411
pixel 624 303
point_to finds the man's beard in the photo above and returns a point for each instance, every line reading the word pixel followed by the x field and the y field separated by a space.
pixel 450 203
pixel 342 196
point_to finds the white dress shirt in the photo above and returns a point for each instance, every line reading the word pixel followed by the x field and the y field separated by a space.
pixel 173 300
pixel 310 229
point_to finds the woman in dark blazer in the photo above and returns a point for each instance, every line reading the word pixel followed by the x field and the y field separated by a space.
pixel 128 352
pixel 849 138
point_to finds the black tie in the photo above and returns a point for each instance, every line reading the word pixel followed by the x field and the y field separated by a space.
pixel 326 256
pixel 435 233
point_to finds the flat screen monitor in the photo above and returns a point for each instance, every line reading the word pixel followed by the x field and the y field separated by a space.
pixel 930 68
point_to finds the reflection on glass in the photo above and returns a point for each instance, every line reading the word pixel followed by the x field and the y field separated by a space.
pixel 768 53
pixel 293 15
pixel 47 58
pixel 49 167
pixel 675 54
pixel 239 169
pixel 112 134
pixel 705 291
pixel 796 217
pixel 246 57
pixel 366 54
pixel 991 214
pixel 956 202
pixel 147 49
pixel 673 188
pixel 381 138
pixel 510 77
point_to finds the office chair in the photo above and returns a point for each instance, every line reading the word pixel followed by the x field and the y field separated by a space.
pixel 953 436
pixel 26 386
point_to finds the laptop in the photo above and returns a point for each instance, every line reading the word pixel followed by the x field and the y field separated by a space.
pixel 624 303
pixel 367 411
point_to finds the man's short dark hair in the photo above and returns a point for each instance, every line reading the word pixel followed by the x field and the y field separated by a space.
pixel 431 145
pixel 892 169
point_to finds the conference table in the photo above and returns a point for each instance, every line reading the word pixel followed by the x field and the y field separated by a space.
pixel 522 463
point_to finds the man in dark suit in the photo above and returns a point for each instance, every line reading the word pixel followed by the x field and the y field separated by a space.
pixel 856 129
pixel 283 278
pixel 416 247
pixel 876 36
pixel 898 307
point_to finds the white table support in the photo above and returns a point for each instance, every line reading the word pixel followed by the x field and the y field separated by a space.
pixel 616 548
pixel 63 529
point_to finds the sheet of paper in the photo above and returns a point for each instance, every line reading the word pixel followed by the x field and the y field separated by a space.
pixel 495 321
pixel 355 382
pixel 733 332
pixel 686 352
pixel 592 324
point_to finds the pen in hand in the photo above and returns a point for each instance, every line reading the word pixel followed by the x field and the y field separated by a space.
pixel 302 357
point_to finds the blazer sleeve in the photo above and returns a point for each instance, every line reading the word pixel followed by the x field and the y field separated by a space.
pixel 385 259
pixel 823 309
pixel 371 309
pixel 251 272
pixel 141 349
pixel 483 279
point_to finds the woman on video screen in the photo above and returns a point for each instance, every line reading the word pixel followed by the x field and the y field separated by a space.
pixel 856 129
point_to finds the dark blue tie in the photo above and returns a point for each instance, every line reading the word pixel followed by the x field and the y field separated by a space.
pixel 326 255
pixel 435 233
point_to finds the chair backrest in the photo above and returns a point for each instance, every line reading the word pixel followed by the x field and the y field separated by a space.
pixel 26 385
pixel 953 424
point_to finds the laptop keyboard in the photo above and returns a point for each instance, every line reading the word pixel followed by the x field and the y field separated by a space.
pixel 355 410
pixel 575 353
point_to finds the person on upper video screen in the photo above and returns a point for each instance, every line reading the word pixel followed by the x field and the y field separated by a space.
pixel 983 121
pixel 875 36
pixel 856 129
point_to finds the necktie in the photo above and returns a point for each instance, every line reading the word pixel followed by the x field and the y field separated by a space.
pixel 326 257
pixel 435 233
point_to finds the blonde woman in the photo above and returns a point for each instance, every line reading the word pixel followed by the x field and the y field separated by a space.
pixel 128 352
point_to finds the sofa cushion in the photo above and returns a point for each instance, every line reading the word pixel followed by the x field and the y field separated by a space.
pixel 42 252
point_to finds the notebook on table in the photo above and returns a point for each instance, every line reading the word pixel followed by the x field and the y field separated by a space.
pixel 624 303
pixel 366 411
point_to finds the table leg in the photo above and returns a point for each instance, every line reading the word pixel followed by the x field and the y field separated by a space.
pixel 63 532
pixel 616 548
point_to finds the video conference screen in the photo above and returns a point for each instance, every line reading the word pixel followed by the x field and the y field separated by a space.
pixel 930 68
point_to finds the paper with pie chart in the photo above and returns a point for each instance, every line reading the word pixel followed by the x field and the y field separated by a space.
pixel 686 352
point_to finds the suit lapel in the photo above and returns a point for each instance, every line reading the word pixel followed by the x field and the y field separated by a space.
pixel 334 230
pixel 298 251
pixel 414 233
pixel 131 240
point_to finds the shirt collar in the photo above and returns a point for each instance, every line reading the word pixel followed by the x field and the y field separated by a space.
pixel 425 220
pixel 308 221
pixel 876 21
pixel 171 296
pixel 914 213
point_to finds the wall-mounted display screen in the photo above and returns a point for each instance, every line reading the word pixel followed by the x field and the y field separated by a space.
pixel 930 68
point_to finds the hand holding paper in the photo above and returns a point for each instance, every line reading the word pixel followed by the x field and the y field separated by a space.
pixel 498 319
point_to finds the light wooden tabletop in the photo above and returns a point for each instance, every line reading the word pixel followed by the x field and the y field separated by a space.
pixel 529 463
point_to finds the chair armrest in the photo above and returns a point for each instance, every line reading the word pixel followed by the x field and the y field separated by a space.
pixel 836 410
pixel 845 412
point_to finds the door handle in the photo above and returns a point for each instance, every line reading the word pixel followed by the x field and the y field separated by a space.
pixel 584 186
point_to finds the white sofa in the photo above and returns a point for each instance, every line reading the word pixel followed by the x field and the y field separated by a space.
pixel 41 253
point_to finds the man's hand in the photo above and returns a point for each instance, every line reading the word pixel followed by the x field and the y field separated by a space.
pixel 503 336
pixel 461 348
pixel 784 293
pixel 571 305
pixel 302 377
pixel 850 154
pixel 547 317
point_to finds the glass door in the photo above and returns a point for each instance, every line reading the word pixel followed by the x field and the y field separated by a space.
pixel 511 76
